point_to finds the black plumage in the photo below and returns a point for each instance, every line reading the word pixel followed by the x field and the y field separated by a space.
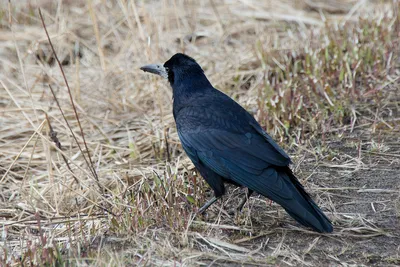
pixel 227 145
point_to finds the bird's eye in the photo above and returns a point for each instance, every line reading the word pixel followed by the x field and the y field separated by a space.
pixel 166 69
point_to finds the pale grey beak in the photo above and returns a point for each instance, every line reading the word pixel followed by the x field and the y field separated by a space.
pixel 156 69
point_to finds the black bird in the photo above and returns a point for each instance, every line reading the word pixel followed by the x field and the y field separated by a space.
pixel 227 145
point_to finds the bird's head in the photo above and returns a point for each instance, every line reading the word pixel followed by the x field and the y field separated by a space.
pixel 178 68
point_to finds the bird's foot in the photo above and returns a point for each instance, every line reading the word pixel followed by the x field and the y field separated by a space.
pixel 207 205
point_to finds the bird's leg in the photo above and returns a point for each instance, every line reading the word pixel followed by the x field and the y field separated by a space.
pixel 246 197
pixel 208 204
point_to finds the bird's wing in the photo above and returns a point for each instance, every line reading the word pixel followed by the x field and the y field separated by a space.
pixel 248 149
pixel 237 135
pixel 227 139
pixel 214 179
pixel 268 138
pixel 244 160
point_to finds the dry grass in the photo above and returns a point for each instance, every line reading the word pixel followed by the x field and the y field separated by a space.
pixel 322 77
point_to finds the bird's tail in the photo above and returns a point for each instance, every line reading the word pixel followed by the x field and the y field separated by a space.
pixel 281 186
pixel 306 212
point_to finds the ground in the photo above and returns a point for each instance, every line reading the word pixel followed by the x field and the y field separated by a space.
pixel 91 168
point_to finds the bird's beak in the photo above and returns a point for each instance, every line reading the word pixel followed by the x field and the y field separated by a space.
pixel 156 69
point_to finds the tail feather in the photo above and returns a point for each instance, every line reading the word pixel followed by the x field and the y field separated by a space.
pixel 281 186
pixel 318 220
pixel 324 226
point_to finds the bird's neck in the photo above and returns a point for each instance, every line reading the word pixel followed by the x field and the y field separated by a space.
pixel 188 89
pixel 190 86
